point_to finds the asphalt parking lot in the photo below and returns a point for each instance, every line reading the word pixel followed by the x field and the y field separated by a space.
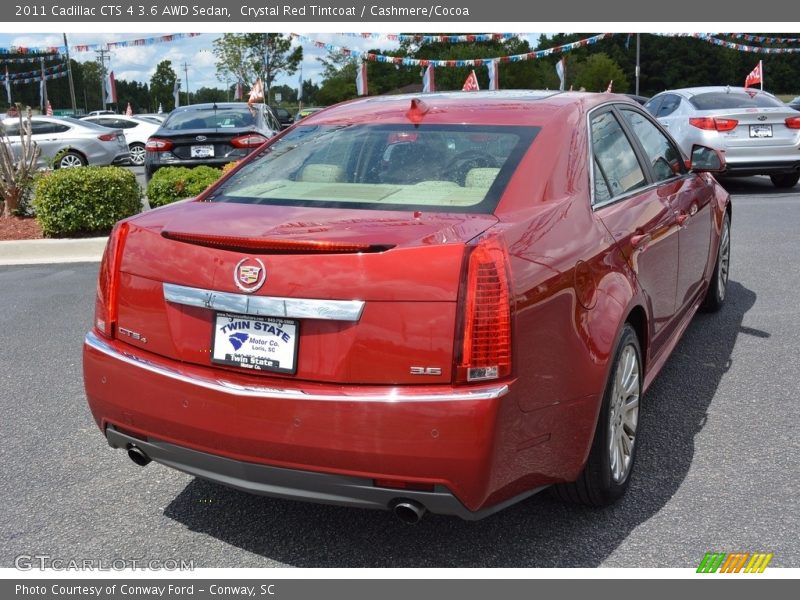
pixel 717 464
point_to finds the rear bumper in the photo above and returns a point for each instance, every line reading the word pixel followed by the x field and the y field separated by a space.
pixel 155 160
pixel 311 442
pixel 747 168
pixel 294 484
pixel 122 159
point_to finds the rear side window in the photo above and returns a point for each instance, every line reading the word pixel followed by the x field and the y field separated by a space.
pixel 457 168
pixel 669 105
pixel 41 127
pixel 653 105
pixel 734 99
pixel 616 167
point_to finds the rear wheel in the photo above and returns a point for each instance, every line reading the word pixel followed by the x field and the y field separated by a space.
pixel 787 180
pixel 69 159
pixel 715 296
pixel 137 153
pixel 608 469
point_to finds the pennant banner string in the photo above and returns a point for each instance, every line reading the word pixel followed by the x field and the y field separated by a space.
pixel 35 79
pixel 30 59
pixel 48 70
pixel 475 62
pixel 92 47
pixel 429 39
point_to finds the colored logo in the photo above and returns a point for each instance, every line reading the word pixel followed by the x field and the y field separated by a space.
pixel 237 339
pixel 249 274
pixel 737 562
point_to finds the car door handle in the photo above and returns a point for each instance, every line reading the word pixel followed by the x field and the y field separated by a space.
pixel 640 239
pixel 681 219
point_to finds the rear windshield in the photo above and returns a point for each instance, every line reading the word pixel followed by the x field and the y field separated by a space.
pixel 453 168
pixel 718 100
pixel 211 118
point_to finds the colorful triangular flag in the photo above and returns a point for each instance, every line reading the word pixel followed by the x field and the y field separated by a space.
pixel 471 83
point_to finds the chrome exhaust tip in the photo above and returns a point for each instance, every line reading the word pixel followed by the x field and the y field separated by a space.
pixel 409 511
pixel 138 456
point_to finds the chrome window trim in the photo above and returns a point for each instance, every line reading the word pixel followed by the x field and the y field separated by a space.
pixel 390 394
pixel 265 306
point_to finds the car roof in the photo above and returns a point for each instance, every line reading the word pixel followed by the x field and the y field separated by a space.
pixel 211 105
pixel 706 89
pixel 500 107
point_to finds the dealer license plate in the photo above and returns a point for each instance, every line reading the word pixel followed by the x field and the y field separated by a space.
pixel 761 131
pixel 204 151
pixel 257 343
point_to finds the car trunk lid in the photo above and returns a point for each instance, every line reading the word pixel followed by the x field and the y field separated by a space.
pixel 757 127
pixel 364 296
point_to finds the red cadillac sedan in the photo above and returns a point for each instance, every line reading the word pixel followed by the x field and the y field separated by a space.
pixel 444 302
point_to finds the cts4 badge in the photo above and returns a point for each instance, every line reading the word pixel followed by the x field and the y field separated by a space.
pixel 249 274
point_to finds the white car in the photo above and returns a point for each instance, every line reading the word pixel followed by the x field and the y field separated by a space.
pixel 136 132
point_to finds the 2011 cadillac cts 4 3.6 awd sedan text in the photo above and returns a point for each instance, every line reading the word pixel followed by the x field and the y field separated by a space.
pixel 441 303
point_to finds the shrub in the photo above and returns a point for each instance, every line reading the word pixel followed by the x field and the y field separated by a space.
pixel 230 167
pixel 171 184
pixel 85 200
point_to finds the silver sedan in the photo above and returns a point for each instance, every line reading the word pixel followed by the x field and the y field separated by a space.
pixel 758 134
pixel 67 142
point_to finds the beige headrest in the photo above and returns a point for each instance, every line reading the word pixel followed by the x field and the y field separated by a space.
pixel 321 173
pixel 482 177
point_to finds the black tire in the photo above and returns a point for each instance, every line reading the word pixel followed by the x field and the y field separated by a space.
pixel 137 154
pixel 601 483
pixel 785 181
pixel 717 287
pixel 68 160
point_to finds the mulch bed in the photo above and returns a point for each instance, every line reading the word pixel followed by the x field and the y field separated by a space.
pixel 19 228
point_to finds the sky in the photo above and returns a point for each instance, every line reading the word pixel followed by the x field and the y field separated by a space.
pixel 138 63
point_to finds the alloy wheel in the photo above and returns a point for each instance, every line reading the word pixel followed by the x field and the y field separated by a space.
pixel 624 414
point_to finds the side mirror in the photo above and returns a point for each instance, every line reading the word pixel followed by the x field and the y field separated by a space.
pixel 706 160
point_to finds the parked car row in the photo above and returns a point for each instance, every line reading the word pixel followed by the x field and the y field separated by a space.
pixel 203 134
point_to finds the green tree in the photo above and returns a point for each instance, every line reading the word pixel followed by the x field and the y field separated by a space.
pixel 205 94
pixel 310 92
pixel 338 79
pixel 162 85
pixel 595 73
pixel 287 92
pixel 247 56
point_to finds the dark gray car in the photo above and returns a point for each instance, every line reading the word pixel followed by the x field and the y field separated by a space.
pixel 209 134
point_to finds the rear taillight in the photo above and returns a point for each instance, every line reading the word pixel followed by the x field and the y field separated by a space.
pixel 250 140
pixel 714 123
pixel 107 137
pixel 158 145
pixel 793 122
pixel 486 332
pixel 105 312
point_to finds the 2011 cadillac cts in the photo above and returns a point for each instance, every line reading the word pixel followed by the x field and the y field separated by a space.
pixel 445 302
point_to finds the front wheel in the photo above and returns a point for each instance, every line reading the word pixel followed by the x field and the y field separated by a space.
pixel 717 288
pixel 785 181
pixel 607 473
